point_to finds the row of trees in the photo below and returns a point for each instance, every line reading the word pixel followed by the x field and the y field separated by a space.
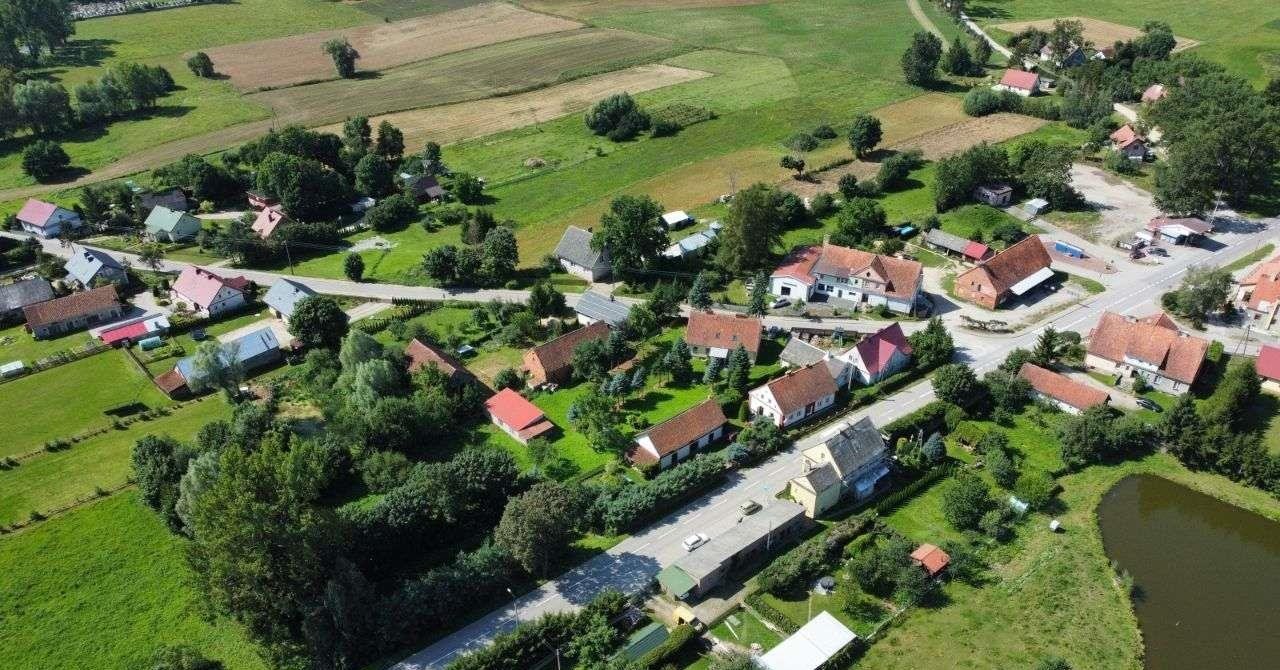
pixel 1037 168
pixel 32 29
pixel 45 108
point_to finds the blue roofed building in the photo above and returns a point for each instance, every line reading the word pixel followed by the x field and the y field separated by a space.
pixel 283 297
pixel 252 351
pixel 88 266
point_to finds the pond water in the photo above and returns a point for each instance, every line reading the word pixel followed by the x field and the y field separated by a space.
pixel 1207 575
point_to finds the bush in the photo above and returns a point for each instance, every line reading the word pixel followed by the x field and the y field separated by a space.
pixel 927 419
pixel 625 507
pixel 801 142
pixel 679 637
pixel 823 205
pixel 43 160
pixel 981 102
pixel 792 572
pixel 824 132
pixel 617 117
pixel 770 613
pixel 1119 163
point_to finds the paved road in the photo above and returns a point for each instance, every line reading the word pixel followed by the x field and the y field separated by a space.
pixel 632 563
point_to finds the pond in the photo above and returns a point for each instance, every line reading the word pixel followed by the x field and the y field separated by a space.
pixel 1206 575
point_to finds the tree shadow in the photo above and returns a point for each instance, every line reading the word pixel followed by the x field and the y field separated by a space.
pixel 988 10
pixel 647 402
pixel 945 86
pixel 83 53
pixel 68 174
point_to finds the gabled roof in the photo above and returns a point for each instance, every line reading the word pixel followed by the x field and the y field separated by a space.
pixel 513 409
pixel 86 262
pixel 240 350
pixel 1012 265
pixel 173 199
pixel 1269 269
pixel 818 479
pixel 26 292
pixel 810 647
pixel 37 212
pixel 268 220
pixel 558 353
pixel 852 447
pixel 799 353
pixel 1061 388
pixel 575 247
pixel 727 331
pixel 602 308
pixel 1268 364
pixel 71 306
pixel 933 559
pixel 1020 79
pixel 681 429
pixel 284 296
pixel 877 349
pixel 976 250
pixel 1154 93
pixel 1125 136
pixel 1154 340
pixel 1265 296
pixel 165 220
pixel 941 238
pixel 794 390
pixel 421 354
pixel 424 185
pixel 900 277
pixel 201 286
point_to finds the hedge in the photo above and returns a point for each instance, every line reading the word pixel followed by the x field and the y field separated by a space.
pixel 630 505
pixel 928 418
pixel 770 613
pixel 670 647
pixel 892 501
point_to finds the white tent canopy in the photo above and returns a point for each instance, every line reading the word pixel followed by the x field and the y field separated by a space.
pixel 1031 282
pixel 811 646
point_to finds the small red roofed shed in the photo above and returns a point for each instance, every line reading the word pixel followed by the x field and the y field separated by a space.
pixel 931 558
pixel 516 416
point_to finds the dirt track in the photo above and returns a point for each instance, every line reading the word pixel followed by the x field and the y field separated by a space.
pixel 288 61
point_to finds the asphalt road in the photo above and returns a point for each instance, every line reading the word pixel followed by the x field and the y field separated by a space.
pixel 634 562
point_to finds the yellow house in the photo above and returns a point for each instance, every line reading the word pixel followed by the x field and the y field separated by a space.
pixel 818 490
pixel 849 459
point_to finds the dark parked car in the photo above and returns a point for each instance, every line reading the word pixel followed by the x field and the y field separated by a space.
pixel 1149 404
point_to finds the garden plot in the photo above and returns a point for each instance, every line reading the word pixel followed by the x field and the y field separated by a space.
pixel 465 120
pixel 1099 33
pixel 289 61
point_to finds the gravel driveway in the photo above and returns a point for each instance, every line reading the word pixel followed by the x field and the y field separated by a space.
pixel 1123 207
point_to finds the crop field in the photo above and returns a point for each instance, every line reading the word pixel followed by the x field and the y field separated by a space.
pixel 1243 35
pixel 446 124
pixel 71 398
pixel 395 10
pixel 1100 33
pixel 51 480
pixel 105 586
pixel 469 75
pixel 587 8
pixel 288 61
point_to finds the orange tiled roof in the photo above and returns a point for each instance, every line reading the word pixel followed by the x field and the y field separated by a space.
pixel 1154 340
pixel 1061 388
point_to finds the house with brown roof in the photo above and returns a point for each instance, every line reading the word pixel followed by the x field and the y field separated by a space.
pixel 711 335
pixel 268 220
pixel 1151 347
pixel 1185 230
pixel 795 396
pixel 1012 272
pixel 423 354
pixel 553 362
pixel 1019 81
pixel 680 437
pixel 1258 294
pixel 73 312
pixel 849 276
pixel 1129 143
pixel 1070 396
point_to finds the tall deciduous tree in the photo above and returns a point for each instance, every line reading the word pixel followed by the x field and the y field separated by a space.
pixel 318 321
pixel 920 61
pixel 631 232
pixel 955 383
pixel 932 346
pixel 536 527
pixel 957 60
pixel 864 134
pixel 158 465
pixel 752 228
pixel 390 144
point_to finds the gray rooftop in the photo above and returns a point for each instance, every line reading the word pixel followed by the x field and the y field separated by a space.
pixel 575 247
pixel 946 240
pixel 26 292
pixel 819 479
pixel 853 447
pixel 85 264
pixel 709 557
pixel 284 296
pixel 799 353
pixel 602 308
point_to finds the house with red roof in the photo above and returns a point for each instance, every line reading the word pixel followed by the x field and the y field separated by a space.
pixel 47 220
pixel 878 355
pixel 208 294
pixel 931 558
pixel 850 277
pixel 516 416
pixel 711 335
pixel 681 437
pixel 1258 294
pixel 1012 272
pixel 1268 366
pixel 1067 394
pixel 795 396
pixel 269 218
pixel 553 362
pixel 1019 81
pixel 1128 143
pixel 424 354
pixel 1154 93
pixel 1151 347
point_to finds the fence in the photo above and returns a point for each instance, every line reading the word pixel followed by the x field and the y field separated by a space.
pixel 59 358
pixel 37 517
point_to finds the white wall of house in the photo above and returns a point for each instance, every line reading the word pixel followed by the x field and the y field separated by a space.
pixel 863 375
pixel 225 300
pixel 1020 91
pixel 762 403
pixel 788 287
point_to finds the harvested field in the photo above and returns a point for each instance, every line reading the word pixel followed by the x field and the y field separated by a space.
pixel 934 144
pixel 498 69
pixel 465 120
pixel 585 8
pixel 1100 33
pixel 289 61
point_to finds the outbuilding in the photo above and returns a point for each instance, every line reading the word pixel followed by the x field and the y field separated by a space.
pixel 811 647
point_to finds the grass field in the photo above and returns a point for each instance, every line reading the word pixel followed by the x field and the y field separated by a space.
pixel 16 344
pixel 299 59
pixel 54 479
pixel 71 398
pixel 104 587
pixel 1240 34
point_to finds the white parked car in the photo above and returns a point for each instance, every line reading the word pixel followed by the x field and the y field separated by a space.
pixel 694 541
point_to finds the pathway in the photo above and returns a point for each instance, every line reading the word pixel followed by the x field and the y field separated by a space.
pixel 976 29
pixel 924 20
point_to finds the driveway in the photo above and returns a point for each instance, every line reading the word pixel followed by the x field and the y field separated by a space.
pixel 1123 207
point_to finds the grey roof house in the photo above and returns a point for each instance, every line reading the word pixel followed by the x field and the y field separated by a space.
pixel 592 307
pixel 852 458
pixel 250 352
pixel 88 265
pixel 578 258
pixel 167 225
pixel 173 199
pixel 15 296
pixel 284 296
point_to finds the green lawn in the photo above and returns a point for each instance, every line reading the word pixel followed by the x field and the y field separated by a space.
pixel 1249 259
pixel 1239 34
pixel 70 399
pixel 749 629
pixel 105 587
pixel 799 608
pixel 16 344
pixel 51 480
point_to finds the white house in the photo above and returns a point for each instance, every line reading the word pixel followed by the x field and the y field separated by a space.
pixel 45 219
pixel 677 439
pixel 209 294
pixel 878 355
pixel 579 259
pixel 795 396
pixel 849 276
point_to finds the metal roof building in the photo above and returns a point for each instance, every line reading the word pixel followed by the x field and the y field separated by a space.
pixel 808 648
pixel 592 307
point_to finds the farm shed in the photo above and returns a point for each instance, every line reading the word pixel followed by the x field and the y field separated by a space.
pixel 810 647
